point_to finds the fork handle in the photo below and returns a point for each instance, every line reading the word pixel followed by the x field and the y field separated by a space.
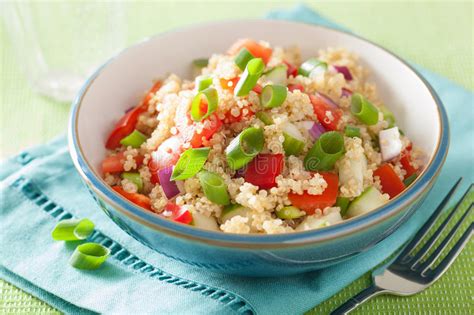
pixel 358 299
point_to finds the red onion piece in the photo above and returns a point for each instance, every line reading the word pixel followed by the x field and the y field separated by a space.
pixel 129 109
pixel 345 72
pixel 170 187
pixel 346 92
pixel 328 100
pixel 316 130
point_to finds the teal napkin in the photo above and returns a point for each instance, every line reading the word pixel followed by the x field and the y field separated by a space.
pixel 40 186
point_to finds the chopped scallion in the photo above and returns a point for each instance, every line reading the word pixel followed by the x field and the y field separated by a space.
pixel 89 256
pixel 198 64
pixel 325 152
pixel 273 96
pixel 73 230
pixel 214 187
pixel 364 110
pixel 265 118
pixel 243 148
pixel 410 179
pixel 243 58
pixel 311 65
pixel 343 204
pixel 135 178
pixel 190 163
pixel 277 75
pixel 249 78
pixel 351 131
pixel 201 110
pixel 203 82
pixel 289 212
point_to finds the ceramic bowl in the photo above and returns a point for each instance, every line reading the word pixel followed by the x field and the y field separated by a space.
pixel 120 83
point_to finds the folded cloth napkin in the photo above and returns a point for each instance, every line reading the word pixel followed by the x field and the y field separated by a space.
pixel 40 186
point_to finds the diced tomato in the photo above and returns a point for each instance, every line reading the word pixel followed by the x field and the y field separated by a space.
pixel 151 92
pixel 292 87
pixel 229 84
pixel 253 47
pixel 257 88
pixel 211 125
pixel 113 164
pixel 320 107
pixel 178 214
pixel 309 203
pixel 229 118
pixel 391 183
pixel 138 199
pixel 406 164
pixel 409 147
pixel 291 69
pixel 263 170
pixel 127 123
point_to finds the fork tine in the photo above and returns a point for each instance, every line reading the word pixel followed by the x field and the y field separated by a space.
pixel 435 255
pixel 427 226
pixel 415 259
pixel 453 253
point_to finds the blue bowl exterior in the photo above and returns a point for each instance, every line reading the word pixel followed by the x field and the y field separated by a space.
pixel 259 255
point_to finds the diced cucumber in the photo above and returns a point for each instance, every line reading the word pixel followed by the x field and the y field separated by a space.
pixel 233 210
pixel 370 199
pixel 352 168
pixel 294 140
pixel 277 75
pixel 289 212
pixel 204 222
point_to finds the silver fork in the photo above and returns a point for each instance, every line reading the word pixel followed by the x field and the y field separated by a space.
pixel 411 273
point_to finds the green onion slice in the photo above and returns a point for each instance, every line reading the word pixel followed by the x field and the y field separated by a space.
pixel 289 212
pixel 135 139
pixel 190 163
pixel 294 141
pixel 364 110
pixel 203 82
pixel 351 131
pixel 243 148
pixel 273 96
pixel 135 178
pixel 242 59
pixel 310 65
pixel 343 204
pixel 278 75
pixel 214 187
pixel 89 256
pixel 325 152
pixel 249 78
pixel 265 118
pixel 73 230
pixel 197 111
pixel 410 179
pixel 198 64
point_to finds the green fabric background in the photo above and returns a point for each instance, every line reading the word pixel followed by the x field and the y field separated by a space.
pixel 436 35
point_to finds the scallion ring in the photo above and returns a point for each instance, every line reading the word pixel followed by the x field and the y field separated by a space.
pixel 190 163
pixel 135 178
pixel 73 230
pixel 325 152
pixel 243 148
pixel 249 78
pixel 214 187
pixel 289 212
pixel 273 96
pixel 89 256
pixel 200 110
pixel 265 118
pixel 242 59
pixel 134 140
pixel 203 82
pixel 364 110
pixel 351 131
pixel 343 204
pixel 310 65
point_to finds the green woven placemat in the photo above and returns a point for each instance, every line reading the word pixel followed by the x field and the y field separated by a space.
pixel 437 36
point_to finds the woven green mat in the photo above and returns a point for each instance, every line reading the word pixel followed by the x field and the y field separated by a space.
pixel 438 36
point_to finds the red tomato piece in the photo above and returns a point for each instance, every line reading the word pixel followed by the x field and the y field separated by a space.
pixel 263 170
pixel 391 183
pixel 309 203
pixel 320 107
pixel 291 69
pixel 253 47
pixel 406 164
pixel 113 164
pixel 229 84
pixel 211 125
pixel 138 199
pixel 151 92
pixel 257 88
pixel 178 214
pixel 292 87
